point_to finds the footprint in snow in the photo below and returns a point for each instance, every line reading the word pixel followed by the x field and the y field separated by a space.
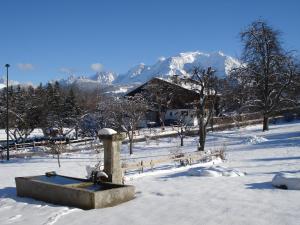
pixel 56 216
pixel 157 193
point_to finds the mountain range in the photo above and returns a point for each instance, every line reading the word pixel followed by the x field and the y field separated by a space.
pixel 180 64
pixel 10 82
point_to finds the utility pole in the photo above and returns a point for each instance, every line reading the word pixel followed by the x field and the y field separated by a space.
pixel 7 136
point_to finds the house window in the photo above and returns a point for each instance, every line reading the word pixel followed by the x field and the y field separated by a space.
pixel 184 113
pixel 171 114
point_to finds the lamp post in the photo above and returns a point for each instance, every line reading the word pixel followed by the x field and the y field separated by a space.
pixel 7 136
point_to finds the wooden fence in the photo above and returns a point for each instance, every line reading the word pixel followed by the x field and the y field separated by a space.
pixel 16 146
pixel 182 159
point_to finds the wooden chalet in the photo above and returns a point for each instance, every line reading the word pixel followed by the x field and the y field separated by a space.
pixel 178 95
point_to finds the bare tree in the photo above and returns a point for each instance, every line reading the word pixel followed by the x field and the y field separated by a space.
pixel 125 114
pixel 133 110
pixel 267 70
pixel 160 98
pixel 207 86
pixel 21 113
pixel 56 148
pixel 183 120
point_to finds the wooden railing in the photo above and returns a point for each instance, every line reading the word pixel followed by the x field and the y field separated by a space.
pixel 182 159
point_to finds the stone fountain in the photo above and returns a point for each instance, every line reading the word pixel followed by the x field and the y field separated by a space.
pixel 83 193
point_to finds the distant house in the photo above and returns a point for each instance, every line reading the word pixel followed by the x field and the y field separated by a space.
pixel 186 116
pixel 179 96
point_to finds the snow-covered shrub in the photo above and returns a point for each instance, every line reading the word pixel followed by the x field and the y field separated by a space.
pixel 215 171
pixel 287 181
pixel 220 152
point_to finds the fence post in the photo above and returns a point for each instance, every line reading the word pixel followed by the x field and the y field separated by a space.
pixel 142 166
pixel 152 165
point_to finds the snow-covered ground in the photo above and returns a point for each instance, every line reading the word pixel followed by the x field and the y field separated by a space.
pixel 237 191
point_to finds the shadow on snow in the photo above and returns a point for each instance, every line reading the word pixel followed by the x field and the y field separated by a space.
pixel 11 193
pixel 261 185
pixel 277 158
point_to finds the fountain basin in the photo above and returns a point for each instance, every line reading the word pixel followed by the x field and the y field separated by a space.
pixel 74 192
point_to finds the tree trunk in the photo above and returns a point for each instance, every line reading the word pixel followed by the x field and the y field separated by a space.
pixel 266 123
pixel 130 142
pixel 58 160
pixel 181 137
pixel 76 132
pixel 159 116
pixel 202 135
pixel 130 147
pixel 202 138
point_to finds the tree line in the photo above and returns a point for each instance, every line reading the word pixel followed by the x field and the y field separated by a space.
pixel 50 107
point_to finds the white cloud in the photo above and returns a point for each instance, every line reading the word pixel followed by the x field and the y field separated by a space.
pixel 97 67
pixel 25 66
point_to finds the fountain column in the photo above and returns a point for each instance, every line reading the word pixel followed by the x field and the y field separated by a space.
pixel 112 146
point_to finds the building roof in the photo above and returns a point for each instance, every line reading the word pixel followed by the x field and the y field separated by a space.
pixel 183 85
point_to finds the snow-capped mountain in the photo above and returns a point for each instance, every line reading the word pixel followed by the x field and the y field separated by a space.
pixel 180 64
pixel 2 83
pixel 102 78
pixel 10 82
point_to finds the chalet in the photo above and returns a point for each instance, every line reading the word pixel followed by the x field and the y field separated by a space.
pixel 172 100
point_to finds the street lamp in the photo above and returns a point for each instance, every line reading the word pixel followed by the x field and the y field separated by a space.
pixel 7 136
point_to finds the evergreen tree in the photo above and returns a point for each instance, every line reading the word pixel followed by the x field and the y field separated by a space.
pixel 54 107
pixel 71 111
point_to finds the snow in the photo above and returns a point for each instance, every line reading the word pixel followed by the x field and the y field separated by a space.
pixel 255 139
pixel 171 195
pixel 179 65
pixel 287 181
pixel 2 86
pixel 170 170
pixel 215 171
pixel 107 131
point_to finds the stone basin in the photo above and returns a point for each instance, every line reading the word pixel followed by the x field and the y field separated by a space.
pixel 74 192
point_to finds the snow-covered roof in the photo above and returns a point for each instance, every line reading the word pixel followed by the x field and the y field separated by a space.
pixel 134 91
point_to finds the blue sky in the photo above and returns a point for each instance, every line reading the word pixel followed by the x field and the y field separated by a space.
pixel 44 40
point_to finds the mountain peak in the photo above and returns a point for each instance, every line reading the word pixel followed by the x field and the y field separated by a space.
pixel 180 64
pixel 104 77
